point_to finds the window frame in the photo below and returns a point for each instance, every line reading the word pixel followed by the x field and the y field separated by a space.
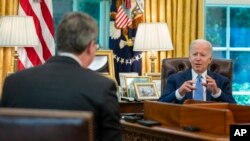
pixel 228 4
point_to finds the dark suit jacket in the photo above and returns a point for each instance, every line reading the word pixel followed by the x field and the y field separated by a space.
pixel 176 80
pixel 61 83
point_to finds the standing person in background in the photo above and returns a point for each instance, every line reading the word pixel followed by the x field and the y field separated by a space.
pixel 182 86
pixel 64 82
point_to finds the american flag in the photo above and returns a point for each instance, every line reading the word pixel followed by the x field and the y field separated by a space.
pixel 123 17
pixel 41 11
pixel 130 12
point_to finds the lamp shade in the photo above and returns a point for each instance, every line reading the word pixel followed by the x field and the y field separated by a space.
pixel 17 31
pixel 152 37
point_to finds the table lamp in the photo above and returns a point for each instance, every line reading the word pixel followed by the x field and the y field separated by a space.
pixel 17 31
pixel 152 37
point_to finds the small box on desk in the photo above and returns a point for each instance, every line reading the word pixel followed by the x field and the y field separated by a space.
pixel 213 118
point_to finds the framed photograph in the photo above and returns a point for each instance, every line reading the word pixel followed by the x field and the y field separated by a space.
pixel 130 80
pixel 122 76
pixel 156 78
pixel 104 63
pixel 146 91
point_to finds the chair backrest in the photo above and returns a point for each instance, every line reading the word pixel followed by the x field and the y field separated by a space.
pixel 174 65
pixel 45 125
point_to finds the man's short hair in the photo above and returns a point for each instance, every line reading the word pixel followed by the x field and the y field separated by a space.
pixel 75 31
pixel 201 41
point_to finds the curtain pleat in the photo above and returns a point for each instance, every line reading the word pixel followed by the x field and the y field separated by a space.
pixel 185 20
pixel 7 7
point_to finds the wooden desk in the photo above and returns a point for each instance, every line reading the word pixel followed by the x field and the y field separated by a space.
pixel 136 132
pixel 131 107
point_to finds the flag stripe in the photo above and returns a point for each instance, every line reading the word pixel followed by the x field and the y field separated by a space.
pixel 122 19
pixel 23 58
pixel 23 55
pixel 20 65
pixel 121 16
pixel 33 56
pixel 46 52
pixel 49 5
pixel 25 5
pixel 48 38
pixel 47 17
pixel 43 20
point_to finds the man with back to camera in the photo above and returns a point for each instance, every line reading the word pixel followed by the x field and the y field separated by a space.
pixel 182 86
pixel 64 82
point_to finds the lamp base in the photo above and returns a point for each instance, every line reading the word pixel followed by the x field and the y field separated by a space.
pixel 16 60
pixel 152 58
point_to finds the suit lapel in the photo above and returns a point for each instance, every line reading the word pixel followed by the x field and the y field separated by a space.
pixel 208 92
pixel 188 76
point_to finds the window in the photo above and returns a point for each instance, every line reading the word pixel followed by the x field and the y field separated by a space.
pixel 99 9
pixel 227 27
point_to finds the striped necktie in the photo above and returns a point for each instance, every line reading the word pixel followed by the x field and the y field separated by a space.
pixel 198 93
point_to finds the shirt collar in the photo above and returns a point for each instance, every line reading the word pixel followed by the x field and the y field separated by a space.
pixel 70 55
pixel 194 74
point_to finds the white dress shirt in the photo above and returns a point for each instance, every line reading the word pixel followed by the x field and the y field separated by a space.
pixel 194 77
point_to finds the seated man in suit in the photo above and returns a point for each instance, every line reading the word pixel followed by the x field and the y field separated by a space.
pixel 65 82
pixel 208 86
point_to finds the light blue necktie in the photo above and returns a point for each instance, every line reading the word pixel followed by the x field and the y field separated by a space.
pixel 198 93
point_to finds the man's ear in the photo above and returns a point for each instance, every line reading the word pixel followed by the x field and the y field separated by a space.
pixel 91 48
pixel 211 59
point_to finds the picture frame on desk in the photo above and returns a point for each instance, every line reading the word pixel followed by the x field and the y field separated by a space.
pixel 146 91
pixel 154 75
pixel 156 78
pixel 130 80
pixel 122 76
pixel 104 63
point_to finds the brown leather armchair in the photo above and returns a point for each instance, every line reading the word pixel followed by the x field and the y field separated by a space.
pixel 175 65
pixel 45 125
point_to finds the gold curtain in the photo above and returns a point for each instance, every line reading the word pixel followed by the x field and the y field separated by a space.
pixel 7 7
pixel 185 20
